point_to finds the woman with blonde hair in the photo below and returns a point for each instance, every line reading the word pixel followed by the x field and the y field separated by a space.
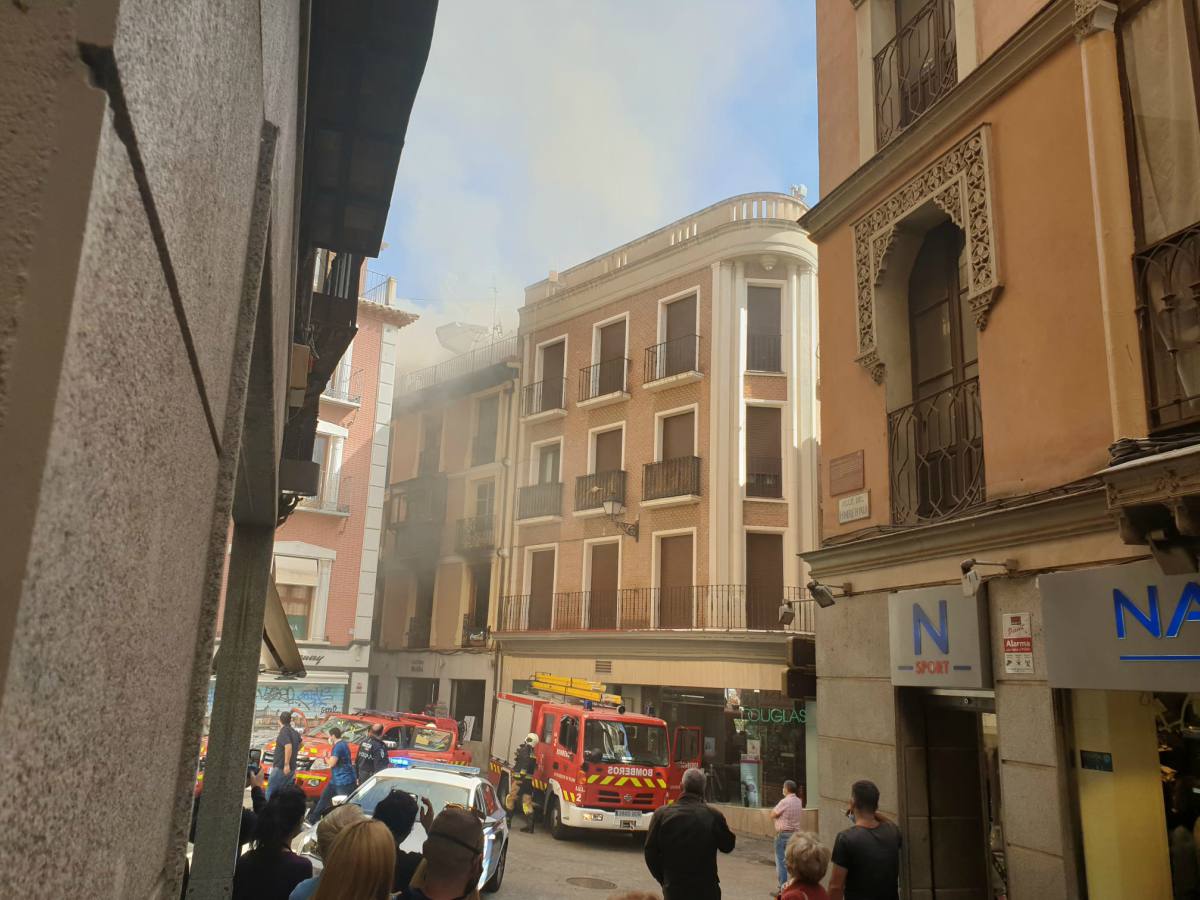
pixel 806 859
pixel 361 864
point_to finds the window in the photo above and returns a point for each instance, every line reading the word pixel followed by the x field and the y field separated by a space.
pixel 483 447
pixel 549 391
pixel 764 345
pixel 430 460
pixel 549 457
pixel 606 479
pixel 915 68
pixel 466 706
pixel 481 585
pixel 607 374
pixel 676 472
pixel 485 499
pixel 547 728
pixel 1160 63
pixel 489 799
pixel 936 443
pixel 568 734
pixel 297 605
pixel 321 457
pixel 764 455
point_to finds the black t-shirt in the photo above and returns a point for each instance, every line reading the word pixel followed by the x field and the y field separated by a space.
pixel 269 874
pixel 406 866
pixel 287 735
pixel 871 858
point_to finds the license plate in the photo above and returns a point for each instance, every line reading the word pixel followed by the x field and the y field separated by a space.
pixel 627 824
pixel 627 813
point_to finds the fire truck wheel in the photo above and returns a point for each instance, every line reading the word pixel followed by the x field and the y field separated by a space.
pixel 560 831
pixel 493 883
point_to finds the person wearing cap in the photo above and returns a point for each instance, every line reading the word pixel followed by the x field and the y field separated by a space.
pixel 452 858
pixel 521 788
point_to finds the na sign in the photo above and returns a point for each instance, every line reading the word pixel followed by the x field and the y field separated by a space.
pixel 939 638
pixel 1122 628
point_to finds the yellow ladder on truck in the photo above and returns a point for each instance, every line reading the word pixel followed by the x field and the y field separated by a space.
pixel 574 688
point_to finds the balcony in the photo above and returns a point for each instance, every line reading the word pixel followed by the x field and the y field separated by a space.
pixel 414 512
pixel 344 391
pixel 330 500
pixel 419 631
pixel 539 501
pixel 544 398
pixel 914 70
pixel 1168 289
pixel 671 481
pixel 672 363
pixel 604 383
pixel 592 490
pixel 710 607
pixel 476 534
pixel 497 354
pixel 764 477
pixel 764 353
pixel 935 449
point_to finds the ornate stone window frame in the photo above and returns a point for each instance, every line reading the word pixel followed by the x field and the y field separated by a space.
pixel 959 184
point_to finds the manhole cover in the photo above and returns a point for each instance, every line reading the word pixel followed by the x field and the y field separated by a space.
pixel 596 884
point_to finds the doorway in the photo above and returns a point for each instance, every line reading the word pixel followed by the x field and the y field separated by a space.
pixel 675 600
pixel 604 574
pixel 764 579
pixel 950 783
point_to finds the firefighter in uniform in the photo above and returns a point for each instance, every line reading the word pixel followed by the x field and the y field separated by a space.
pixel 520 785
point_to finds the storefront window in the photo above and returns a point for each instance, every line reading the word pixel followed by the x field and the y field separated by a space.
pixel 1179 757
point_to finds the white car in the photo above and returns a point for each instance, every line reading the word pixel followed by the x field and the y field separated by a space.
pixel 442 784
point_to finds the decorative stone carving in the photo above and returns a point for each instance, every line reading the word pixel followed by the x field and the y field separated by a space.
pixel 959 184
pixel 1094 15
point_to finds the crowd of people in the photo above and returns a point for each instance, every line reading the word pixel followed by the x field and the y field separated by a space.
pixel 362 859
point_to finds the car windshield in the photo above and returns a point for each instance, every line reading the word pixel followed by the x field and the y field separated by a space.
pixel 625 742
pixel 375 789
pixel 352 729
pixel 431 739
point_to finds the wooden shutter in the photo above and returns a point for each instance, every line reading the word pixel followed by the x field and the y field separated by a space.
pixel 675 581
pixel 541 588
pixel 681 318
pixel 602 606
pixel 764 437
pixel 764 579
pixel 612 341
pixel 762 310
pixel 553 360
pixel 608 450
pixel 678 438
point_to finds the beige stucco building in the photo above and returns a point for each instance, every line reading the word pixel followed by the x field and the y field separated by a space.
pixel 1006 230
pixel 673 376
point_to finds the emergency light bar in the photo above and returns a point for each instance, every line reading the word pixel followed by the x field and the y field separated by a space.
pixel 403 762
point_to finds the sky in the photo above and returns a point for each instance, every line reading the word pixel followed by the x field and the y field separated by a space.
pixel 546 132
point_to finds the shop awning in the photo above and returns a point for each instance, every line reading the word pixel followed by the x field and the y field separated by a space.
pixel 295 570
pixel 280 654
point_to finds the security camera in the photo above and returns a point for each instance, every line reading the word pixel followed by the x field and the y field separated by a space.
pixel 971 579
pixel 822 594
pixel 786 614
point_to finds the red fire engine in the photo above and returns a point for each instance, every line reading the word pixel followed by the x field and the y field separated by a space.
pixel 598 766
pixel 405 734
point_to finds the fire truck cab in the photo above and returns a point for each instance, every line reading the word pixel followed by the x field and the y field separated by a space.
pixel 598 767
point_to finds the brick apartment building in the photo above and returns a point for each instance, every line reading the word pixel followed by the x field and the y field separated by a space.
pixel 327 552
pixel 448 516
pixel 673 381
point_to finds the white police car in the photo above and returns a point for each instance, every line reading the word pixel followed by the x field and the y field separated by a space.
pixel 441 784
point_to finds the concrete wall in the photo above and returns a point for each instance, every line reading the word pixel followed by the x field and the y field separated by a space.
pixel 125 253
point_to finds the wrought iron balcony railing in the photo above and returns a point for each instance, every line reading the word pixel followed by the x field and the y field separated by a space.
pixel 544 396
pixel 679 477
pixel 476 533
pixel 935 447
pixel 764 476
pixel 764 352
pixel 505 349
pixel 713 607
pixel 914 69
pixel 536 500
pixel 1168 288
pixel 674 357
pixel 592 490
pixel 608 377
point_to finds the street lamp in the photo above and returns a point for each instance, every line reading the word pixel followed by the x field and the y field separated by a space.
pixel 614 508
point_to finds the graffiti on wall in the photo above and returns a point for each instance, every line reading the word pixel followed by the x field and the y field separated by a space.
pixel 314 700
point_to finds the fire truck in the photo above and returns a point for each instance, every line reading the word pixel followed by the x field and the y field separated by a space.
pixel 407 735
pixel 598 766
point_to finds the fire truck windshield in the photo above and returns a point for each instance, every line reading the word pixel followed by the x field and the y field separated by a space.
pixel 610 741
pixel 351 729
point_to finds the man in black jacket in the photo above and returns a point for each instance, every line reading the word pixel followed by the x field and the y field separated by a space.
pixel 682 845
pixel 372 754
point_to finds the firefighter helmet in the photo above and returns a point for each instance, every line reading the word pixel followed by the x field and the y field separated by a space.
pixel 531 739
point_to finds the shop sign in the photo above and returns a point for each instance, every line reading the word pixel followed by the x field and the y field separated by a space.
pixel 774 714
pixel 939 638
pixel 1017 635
pixel 1122 628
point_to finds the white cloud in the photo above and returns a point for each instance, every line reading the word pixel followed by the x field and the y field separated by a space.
pixel 546 132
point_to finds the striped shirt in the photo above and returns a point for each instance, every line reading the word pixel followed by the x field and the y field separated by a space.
pixel 788 813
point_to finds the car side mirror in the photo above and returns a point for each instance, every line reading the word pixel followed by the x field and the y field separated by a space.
pixel 339 799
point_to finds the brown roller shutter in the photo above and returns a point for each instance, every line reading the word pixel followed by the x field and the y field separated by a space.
pixel 764 436
pixel 764 579
pixel 762 310
pixel 602 606
pixel 608 451
pixel 678 439
pixel 610 375
pixel 553 360
pixel 681 318
pixel 675 581
pixel 541 588
pixel 612 341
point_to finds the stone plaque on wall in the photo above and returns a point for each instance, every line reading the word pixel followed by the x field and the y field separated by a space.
pixel 846 473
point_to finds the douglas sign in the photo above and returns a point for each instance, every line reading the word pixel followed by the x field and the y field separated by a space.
pixel 1122 628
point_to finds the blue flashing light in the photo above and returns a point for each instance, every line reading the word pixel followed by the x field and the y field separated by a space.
pixel 403 762
pixel 399 762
